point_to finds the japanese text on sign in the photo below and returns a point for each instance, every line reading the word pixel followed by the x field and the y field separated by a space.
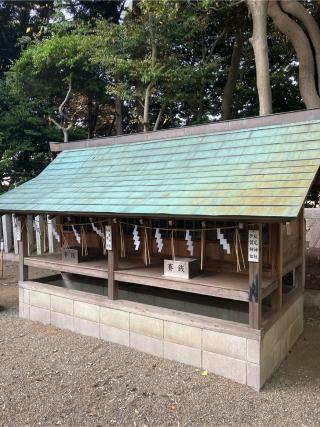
pixel 253 246
pixel 108 238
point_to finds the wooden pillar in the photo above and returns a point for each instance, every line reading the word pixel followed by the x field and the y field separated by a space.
pixel 255 279
pixel 39 219
pixel 14 231
pixel 113 262
pixel 7 232
pixel 280 265
pixel 23 248
pixel 277 298
pixel 52 240
pixel 30 237
pixel 303 248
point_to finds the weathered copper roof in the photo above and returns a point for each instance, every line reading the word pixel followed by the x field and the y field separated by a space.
pixel 260 172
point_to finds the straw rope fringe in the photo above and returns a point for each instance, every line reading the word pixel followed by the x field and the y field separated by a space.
pixel 172 246
pixel 146 254
pixel 238 250
pixel 202 253
pixel 122 242
pixel 233 227
pixel 84 244
pixel 240 261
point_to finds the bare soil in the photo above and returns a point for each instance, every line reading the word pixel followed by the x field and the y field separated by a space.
pixel 54 377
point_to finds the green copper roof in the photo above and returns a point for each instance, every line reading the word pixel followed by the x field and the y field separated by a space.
pixel 261 172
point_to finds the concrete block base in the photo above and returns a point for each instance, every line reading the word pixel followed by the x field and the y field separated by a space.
pixel 231 350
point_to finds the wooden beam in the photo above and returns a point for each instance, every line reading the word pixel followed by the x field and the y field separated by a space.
pixel 113 262
pixel 39 219
pixel 30 233
pixel 303 248
pixel 255 293
pixel 23 249
pixel 147 279
pixel 56 264
pixel 276 297
pixel 7 232
pixel 280 266
pixel 14 232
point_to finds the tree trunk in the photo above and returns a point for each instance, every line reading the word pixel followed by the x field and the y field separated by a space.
pixel 64 119
pixel 232 77
pixel 147 95
pixel 146 108
pixel 65 134
pixel 159 116
pixel 139 110
pixel 296 9
pixel 301 44
pixel 119 116
pixel 93 111
pixel 258 10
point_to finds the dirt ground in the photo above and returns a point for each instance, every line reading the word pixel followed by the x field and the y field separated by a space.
pixel 54 377
pixel 313 269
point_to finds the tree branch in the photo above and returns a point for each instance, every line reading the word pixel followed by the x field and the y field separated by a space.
pixel 51 119
pixel 296 9
pixel 301 44
pixel 65 100
pixel 216 43
pixel 232 76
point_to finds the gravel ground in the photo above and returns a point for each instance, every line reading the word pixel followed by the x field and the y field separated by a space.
pixel 54 377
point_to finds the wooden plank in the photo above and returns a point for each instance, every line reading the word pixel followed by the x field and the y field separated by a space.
pixel 131 270
pixel 255 292
pixel 23 250
pixel 292 265
pixel 31 235
pixel 184 286
pixel 113 263
pixel 270 289
pixel 57 265
pixel 280 265
pixel 303 248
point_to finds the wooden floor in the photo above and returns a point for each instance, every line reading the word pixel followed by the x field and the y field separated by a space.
pixel 223 285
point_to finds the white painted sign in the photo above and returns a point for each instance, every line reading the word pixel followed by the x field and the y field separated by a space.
pixel 253 246
pixel 108 238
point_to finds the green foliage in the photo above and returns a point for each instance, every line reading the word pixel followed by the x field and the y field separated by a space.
pixel 157 48
pixel 24 137
pixel 46 66
pixel 24 131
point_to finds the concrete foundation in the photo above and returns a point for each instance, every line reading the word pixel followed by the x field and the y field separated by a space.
pixel 222 347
